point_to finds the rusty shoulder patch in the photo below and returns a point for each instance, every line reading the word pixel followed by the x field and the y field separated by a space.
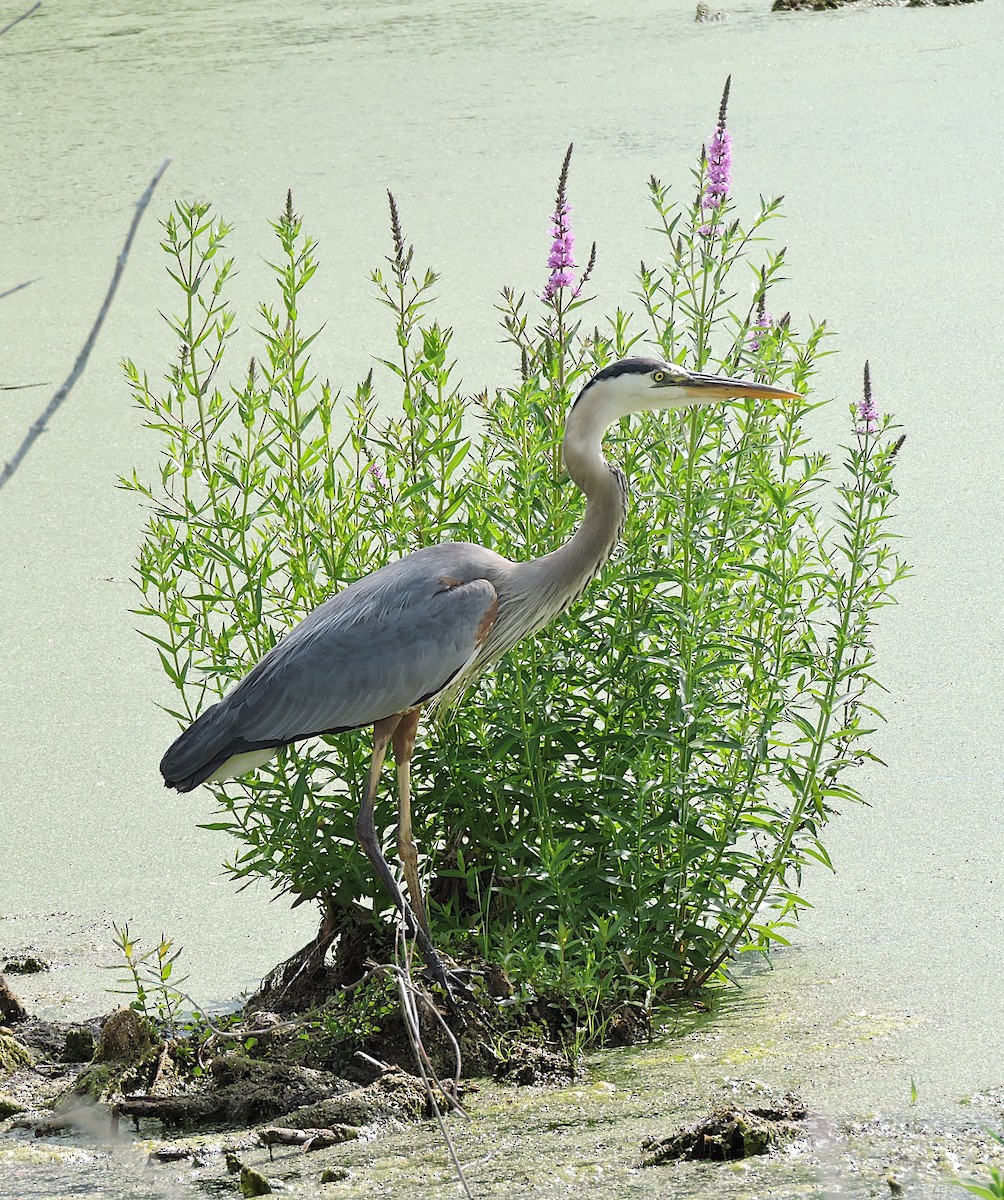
pixel 487 622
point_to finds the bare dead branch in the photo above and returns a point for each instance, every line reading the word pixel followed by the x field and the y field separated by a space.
pixel 38 426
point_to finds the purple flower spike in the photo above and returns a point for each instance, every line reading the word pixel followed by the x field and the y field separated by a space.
pixel 718 179
pixel 868 414
pixel 561 260
pixel 763 322
pixel 377 479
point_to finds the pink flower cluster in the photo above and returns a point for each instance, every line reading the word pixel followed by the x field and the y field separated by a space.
pixel 561 260
pixel 719 179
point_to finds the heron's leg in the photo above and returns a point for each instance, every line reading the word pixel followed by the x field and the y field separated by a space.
pixel 404 744
pixel 366 836
pixel 383 732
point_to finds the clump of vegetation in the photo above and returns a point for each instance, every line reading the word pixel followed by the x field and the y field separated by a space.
pixel 629 800
pixel 147 975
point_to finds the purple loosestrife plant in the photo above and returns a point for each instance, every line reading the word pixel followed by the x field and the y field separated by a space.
pixel 687 296
pixel 868 413
pixel 561 259
pixel 763 322
pixel 718 179
pixel 561 295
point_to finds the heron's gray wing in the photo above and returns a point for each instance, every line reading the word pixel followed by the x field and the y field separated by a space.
pixel 382 645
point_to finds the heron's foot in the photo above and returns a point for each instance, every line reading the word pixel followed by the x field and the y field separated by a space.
pixel 454 982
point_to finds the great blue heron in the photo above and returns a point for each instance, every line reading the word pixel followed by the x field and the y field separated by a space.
pixel 417 631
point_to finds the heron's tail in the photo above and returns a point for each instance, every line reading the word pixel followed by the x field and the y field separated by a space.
pixel 200 751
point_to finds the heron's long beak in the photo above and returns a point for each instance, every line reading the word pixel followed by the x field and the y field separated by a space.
pixel 720 387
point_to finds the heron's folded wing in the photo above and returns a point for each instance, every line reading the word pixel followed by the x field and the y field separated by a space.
pixel 367 653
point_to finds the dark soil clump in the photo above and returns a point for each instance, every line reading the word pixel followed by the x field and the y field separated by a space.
pixel 27 964
pixel 526 1064
pixel 11 1008
pixel 729 1133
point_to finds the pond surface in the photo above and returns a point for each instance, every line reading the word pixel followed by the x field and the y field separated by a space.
pixel 880 127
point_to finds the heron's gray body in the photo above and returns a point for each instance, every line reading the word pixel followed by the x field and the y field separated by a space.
pixel 428 614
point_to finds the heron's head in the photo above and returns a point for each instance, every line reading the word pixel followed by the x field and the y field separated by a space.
pixel 642 384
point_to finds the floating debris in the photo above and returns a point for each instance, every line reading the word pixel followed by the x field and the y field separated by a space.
pixel 27 964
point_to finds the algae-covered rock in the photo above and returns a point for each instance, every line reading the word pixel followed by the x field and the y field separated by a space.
pixel 729 1133
pixel 253 1183
pixel 353 1108
pixel 261 1091
pixel 13 1055
pixel 236 1090
pixel 125 1038
pixel 526 1064
pixel 123 1060
pixel 97 1083
pixel 394 1094
pixel 9 1107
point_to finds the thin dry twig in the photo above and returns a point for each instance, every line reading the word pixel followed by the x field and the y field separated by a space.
pixel 17 20
pixel 20 387
pixel 407 992
pixel 454 1092
pixel 38 426
pixel 18 286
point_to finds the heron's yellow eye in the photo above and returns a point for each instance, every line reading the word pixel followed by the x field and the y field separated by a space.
pixel 658 376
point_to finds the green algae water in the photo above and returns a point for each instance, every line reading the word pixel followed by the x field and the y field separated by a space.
pixel 879 128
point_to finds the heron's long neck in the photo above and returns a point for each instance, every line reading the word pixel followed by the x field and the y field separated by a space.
pixel 563 575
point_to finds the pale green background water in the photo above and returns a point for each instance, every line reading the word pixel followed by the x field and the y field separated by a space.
pixel 882 130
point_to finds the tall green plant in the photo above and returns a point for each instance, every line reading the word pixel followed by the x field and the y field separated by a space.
pixel 630 798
